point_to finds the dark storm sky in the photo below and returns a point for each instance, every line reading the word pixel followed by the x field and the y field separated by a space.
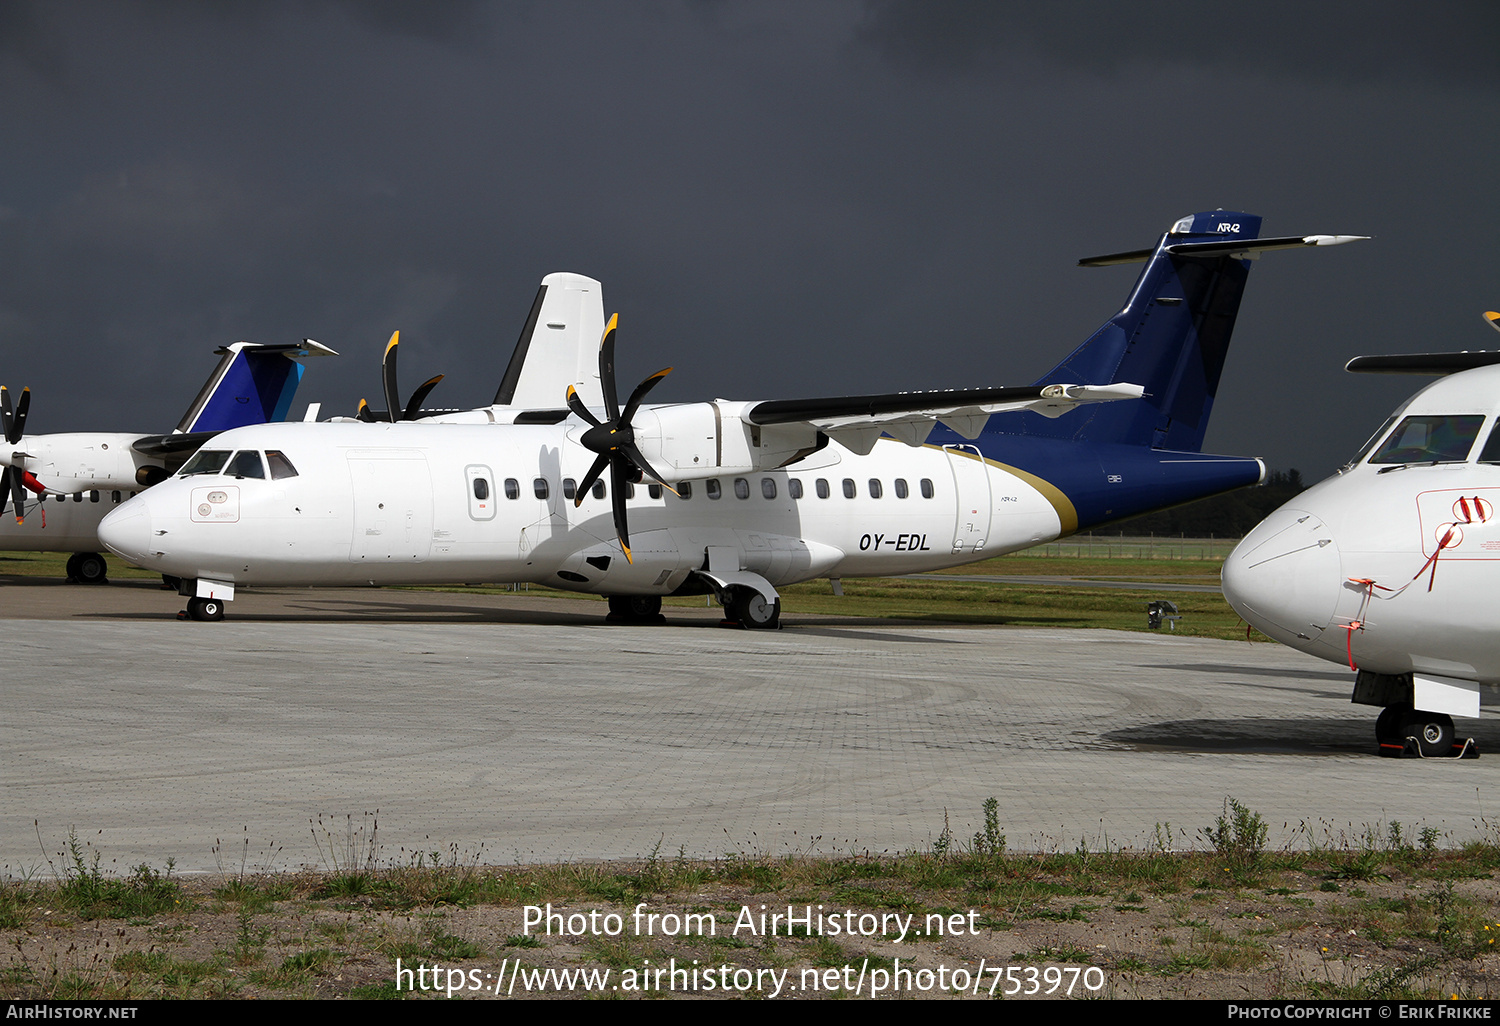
pixel 782 199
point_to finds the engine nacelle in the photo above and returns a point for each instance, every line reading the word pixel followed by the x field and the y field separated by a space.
pixel 79 462
pixel 700 440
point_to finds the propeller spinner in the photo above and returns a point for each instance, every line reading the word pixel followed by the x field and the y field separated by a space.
pixel 614 439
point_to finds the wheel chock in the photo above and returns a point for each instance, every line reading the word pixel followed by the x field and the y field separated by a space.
pixel 1408 748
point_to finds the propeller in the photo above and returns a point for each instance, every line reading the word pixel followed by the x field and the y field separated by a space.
pixel 392 393
pixel 13 479
pixel 614 438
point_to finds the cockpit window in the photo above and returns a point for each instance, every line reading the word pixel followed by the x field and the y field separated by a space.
pixel 206 461
pixel 1430 440
pixel 246 463
pixel 281 467
pixel 1491 451
pixel 1364 450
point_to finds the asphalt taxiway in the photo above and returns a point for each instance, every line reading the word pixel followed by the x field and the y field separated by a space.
pixel 514 728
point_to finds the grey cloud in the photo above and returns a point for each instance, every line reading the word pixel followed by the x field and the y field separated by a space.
pixel 1452 42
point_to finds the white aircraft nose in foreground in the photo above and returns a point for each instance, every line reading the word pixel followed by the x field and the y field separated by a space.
pixel 1391 565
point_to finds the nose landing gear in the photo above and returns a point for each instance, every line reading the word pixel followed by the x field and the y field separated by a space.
pixel 1406 733
pixel 205 610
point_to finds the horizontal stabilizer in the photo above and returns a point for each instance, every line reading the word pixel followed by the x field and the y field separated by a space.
pixel 1423 363
pixel 1238 248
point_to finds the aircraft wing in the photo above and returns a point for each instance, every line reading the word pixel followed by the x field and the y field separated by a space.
pixel 856 421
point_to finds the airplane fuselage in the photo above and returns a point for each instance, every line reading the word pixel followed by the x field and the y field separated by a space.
pixel 61 523
pixel 414 503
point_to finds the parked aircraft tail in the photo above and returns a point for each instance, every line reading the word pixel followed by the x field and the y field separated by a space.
pixel 1172 335
pixel 253 384
pixel 558 347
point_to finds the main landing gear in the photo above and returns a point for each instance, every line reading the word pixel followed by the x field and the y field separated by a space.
pixel 87 568
pixel 1404 732
pixel 750 610
pixel 635 609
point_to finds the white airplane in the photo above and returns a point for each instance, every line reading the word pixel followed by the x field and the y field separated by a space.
pixel 87 474
pixel 636 502
pixel 1390 565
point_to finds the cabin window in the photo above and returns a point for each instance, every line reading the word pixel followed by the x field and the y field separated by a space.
pixel 741 488
pixel 512 488
pixel 685 491
pixel 62 498
pixel 115 497
pixel 599 490
pixel 539 488
pixel 822 487
pixel 1443 439
pixel 794 487
pixel 481 488
pixel 900 487
pixel 654 490
pixel 927 489
pixel 94 495
pixel 849 490
pixel 768 487
pixel 246 463
pixel 206 461
pixel 875 490
pixel 713 488
pixel 570 488
pixel 281 467
pixel 77 496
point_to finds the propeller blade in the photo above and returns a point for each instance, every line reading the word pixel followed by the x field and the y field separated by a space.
pixel 18 494
pixel 388 376
pixel 589 479
pixel 4 489
pixel 617 501
pixel 575 403
pixel 5 416
pixel 640 393
pixel 607 368
pixel 364 413
pixel 414 404
pixel 21 408
pixel 634 455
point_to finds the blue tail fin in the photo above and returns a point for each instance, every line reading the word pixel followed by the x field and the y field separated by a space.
pixel 1171 337
pixel 253 384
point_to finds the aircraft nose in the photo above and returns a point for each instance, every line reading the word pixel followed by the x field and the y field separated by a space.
pixel 127 531
pixel 1285 577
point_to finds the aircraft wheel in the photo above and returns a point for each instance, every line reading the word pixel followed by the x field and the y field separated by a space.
pixel 635 607
pixel 1388 723
pixel 643 607
pixel 206 610
pixel 88 568
pixel 1433 731
pixel 754 613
